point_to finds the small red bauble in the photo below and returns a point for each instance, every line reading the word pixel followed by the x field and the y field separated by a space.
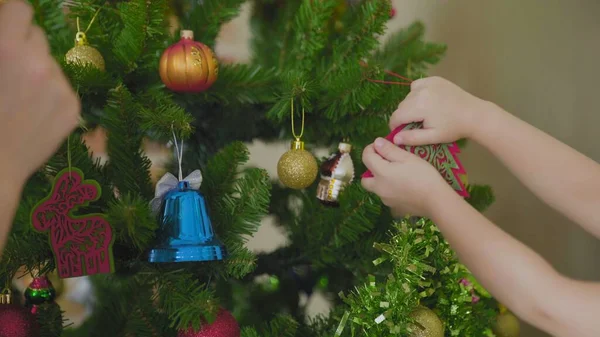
pixel 16 321
pixel 224 326
pixel 393 13
pixel 188 65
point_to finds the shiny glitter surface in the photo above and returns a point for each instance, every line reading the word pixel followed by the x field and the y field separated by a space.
pixel 507 325
pixel 428 324
pixel 224 326
pixel 16 321
pixel 297 169
pixel 86 55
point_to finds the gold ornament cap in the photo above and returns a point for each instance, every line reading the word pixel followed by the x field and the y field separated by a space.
pixel 6 297
pixel 187 34
pixel 297 144
pixel 81 39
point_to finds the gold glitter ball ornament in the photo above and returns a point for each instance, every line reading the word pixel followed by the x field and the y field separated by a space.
pixel 427 324
pixel 297 168
pixel 507 325
pixel 84 54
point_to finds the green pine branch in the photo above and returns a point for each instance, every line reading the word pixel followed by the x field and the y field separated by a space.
pixel 144 321
pixel 222 169
pixel 349 91
pixel 280 326
pixel 310 36
pixel 49 15
pixel 241 84
pixel 25 247
pixel 240 261
pixel 206 19
pixel 132 221
pixel 359 211
pixel 241 211
pixel 271 22
pixel 128 167
pixel 161 116
pixel 88 80
pixel 186 301
pixel 50 319
pixel 302 89
pixel 124 307
pixel 130 41
pixel 406 53
pixel 365 25
pixel 156 31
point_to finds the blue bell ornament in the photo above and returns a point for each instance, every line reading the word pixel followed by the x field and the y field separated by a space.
pixel 185 233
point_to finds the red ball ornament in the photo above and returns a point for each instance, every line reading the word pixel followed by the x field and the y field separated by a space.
pixel 393 13
pixel 188 65
pixel 224 326
pixel 16 321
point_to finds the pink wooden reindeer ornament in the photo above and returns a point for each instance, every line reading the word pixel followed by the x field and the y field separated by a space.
pixel 444 157
pixel 82 245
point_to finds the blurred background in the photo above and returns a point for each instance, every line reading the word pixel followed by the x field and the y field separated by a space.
pixel 535 58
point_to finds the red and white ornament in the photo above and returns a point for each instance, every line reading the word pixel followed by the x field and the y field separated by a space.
pixel 337 172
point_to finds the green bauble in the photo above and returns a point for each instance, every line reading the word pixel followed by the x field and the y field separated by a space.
pixel 427 324
pixel 40 291
pixel 507 325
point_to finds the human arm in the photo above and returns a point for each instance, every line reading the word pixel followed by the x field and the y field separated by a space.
pixel 563 178
pixel 516 275
pixel 10 194
pixel 38 107
pixel 512 272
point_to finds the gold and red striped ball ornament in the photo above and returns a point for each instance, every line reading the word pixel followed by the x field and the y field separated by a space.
pixel 188 65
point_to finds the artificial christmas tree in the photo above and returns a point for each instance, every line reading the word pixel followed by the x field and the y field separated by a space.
pixel 324 58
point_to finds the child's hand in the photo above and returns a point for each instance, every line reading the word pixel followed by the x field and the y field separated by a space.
pixel 404 182
pixel 448 113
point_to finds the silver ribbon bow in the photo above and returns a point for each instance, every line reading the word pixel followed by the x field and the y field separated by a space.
pixel 169 182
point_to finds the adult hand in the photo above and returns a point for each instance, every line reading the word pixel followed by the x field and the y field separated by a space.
pixel 38 107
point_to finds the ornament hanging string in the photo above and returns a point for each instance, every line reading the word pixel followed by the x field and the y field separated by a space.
pixel 408 83
pixel 293 126
pixel 179 150
pixel 69 161
pixel 91 22
pixel 69 155
pixel 80 38
pixel 391 73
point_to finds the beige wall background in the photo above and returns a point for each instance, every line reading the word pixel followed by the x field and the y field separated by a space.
pixel 536 58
